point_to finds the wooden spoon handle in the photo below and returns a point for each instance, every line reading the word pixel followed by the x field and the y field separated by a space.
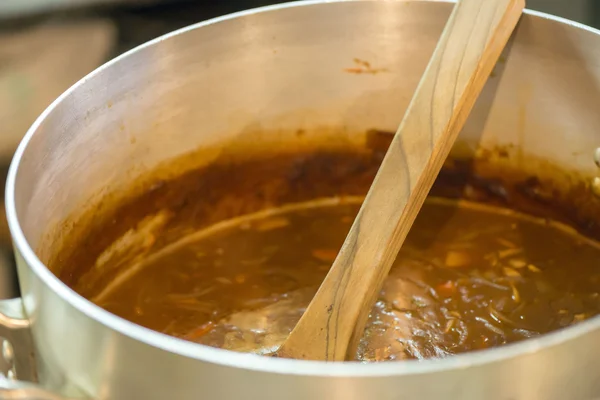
pixel 468 49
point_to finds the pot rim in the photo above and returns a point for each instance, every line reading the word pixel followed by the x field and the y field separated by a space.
pixel 250 361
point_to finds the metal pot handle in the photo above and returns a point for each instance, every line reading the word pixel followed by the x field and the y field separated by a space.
pixel 18 352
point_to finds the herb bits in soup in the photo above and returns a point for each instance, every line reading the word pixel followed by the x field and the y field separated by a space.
pixel 469 277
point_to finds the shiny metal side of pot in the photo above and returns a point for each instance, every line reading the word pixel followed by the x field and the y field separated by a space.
pixel 276 70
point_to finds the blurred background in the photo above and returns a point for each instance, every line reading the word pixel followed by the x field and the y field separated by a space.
pixel 47 45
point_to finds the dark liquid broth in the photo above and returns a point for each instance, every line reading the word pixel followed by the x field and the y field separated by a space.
pixel 468 277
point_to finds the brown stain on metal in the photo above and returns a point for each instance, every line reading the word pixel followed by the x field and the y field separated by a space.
pixel 364 67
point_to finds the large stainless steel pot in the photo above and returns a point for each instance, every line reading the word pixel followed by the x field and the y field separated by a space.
pixel 278 69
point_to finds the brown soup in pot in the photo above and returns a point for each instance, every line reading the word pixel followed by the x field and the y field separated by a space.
pixel 470 275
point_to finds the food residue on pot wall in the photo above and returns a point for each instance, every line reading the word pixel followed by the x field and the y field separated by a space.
pixel 364 67
pixel 234 186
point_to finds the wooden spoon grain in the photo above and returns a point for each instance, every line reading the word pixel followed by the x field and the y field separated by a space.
pixel 466 53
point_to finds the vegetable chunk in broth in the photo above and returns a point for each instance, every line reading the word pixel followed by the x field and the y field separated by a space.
pixel 468 277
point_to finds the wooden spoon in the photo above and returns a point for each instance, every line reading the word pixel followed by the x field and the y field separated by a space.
pixel 467 51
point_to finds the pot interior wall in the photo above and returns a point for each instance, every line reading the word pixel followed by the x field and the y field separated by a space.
pixel 316 76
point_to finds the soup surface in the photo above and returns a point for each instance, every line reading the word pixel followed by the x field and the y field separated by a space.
pixel 468 277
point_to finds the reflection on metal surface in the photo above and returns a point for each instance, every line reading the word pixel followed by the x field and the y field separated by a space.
pixel 14 328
